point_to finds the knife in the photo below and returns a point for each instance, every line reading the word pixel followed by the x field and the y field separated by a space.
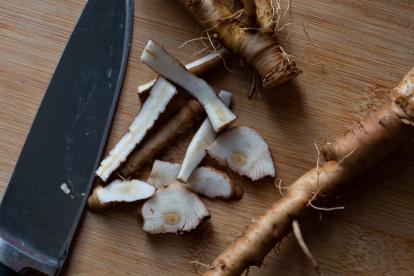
pixel 46 195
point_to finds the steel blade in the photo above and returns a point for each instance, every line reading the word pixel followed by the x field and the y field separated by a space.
pixel 52 178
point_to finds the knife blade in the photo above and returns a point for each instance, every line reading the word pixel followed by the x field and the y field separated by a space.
pixel 48 189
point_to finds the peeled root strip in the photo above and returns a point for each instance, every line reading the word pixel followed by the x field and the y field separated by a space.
pixel 165 65
pixel 196 151
pixel 160 96
pixel 198 67
pixel 179 123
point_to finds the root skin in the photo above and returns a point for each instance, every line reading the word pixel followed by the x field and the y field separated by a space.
pixel 369 142
pixel 265 15
pixel 192 111
pixel 250 10
pixel 259 50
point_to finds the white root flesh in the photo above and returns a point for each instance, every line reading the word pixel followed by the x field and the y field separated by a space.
pixel 165 65
pixel 213 183
pixel 204 137
pixel 173 209
pixel 205 181
pixel 163 173
pixel 194 67
pixel 244 151
pixel 161 94
pixel 120 191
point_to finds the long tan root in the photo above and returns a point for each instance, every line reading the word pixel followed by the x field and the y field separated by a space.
pixel 258 49
pixel 370 141
pixel 178 124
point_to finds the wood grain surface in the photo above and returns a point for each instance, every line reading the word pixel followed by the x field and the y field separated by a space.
pixel 351 53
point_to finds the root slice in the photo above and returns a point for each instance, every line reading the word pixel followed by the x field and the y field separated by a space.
pixel 164 64
pixel 161 94
pixel 244 151
pixel 198 67
pixel 119 191
pixel 179 123
pixel 173 209
pixel 204 137
pixel 305 248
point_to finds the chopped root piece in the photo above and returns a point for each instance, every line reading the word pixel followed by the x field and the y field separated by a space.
pixel 165 65
pixel 244 151
pixel 156 103
pixel 166 134
pixel 163 173
pixel 202 139
pixel 198 67
pixel 173 209
pixel 119 191
pixel 213 183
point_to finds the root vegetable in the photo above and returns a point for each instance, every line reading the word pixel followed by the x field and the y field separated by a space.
pixel 168 132
pixel 351 154
pixel 196 151
pixel 205 181
pixel 156 103
pixel 173 209
pixel 265 15
pixel 259 50
pixel 213 183
pixel 198 67
pixel 244 151
pixel 163 173
pixel 165 65
pixel 250 10
pixel 119 191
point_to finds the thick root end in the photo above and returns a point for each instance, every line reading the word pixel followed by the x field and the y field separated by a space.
pixel 403 99
pixel 274 68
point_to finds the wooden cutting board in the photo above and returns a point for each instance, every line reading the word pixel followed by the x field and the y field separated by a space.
pixel 351 54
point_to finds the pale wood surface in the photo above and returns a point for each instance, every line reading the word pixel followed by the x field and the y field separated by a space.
pixel 353 53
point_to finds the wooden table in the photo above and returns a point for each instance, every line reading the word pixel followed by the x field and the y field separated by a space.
pixel 351 53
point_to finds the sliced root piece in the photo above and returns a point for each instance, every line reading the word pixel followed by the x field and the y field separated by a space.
pixel 156 103
pixel 173 209
pixel 163 173
pixel 244 151
pixel 166 134
pixel 119 191
pixel 213 183
pixel 198 67
pixel 165 65
pixel 196 151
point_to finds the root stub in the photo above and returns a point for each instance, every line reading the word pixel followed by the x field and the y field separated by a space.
pixel 355 152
